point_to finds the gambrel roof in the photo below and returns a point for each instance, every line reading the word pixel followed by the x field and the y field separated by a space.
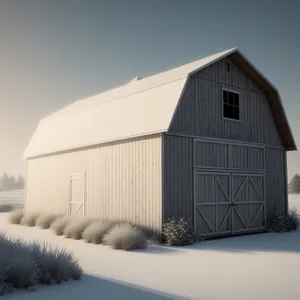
pixel 141 107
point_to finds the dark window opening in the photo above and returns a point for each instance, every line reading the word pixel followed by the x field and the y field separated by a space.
pixel 228 66
pixel 231 105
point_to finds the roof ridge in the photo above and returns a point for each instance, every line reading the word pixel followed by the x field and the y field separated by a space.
pixel 117 99
pixel 143 80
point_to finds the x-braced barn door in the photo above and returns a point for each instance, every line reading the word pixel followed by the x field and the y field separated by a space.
pixel 212 203
pixel 228 203
pixel 77 194
pixel 248 205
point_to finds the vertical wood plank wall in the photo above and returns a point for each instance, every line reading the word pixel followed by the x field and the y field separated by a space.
pixel 123 180
pixel 200 110
pixel 210 154
pixel 276 181
pixel 178 197
pixel 199 114
pixel 178 178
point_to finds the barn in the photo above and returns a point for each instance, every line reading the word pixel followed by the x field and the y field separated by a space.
pixel 206 141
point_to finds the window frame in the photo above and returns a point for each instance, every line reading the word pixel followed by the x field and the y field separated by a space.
pixel 235 92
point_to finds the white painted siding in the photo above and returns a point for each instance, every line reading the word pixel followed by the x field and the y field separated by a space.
pixel 123 180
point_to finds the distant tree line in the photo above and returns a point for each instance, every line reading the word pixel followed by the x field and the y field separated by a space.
pixel 294 184
pixel 11 182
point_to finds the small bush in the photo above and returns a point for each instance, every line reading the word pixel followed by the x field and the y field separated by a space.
pixel 176 232
pixel 25 264
pixel 22 271
pixel 59 225
pixel 16 216
pixel 95 231
pixel 5 287
pixel 125 236
pixel 29 219
pixel 76 227
pixel 282 223
pixel 56 265
pixel 46 219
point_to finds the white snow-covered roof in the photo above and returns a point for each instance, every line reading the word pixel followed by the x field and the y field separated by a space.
pixel 143 106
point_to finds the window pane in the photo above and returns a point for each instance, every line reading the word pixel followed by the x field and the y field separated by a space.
pixel 236 100
pixel 225 93
pixel 227 111
pixel 230 98
pixel 231 104
pixel 231 112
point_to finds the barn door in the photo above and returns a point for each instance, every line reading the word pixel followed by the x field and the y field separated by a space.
pixel 248 205
pixel 228 203
pixel 212 203
pixel 77 194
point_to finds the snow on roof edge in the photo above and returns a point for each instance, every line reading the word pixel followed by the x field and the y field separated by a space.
pixel 162 82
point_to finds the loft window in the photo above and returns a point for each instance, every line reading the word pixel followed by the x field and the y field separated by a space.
pixel 228 67
pixel 231 105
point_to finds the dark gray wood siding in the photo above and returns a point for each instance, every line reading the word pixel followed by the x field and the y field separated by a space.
pixel 178 173
pixel 217 155
pixel 258 147
pixel 276 181
pixel 178 193
pixel 200 109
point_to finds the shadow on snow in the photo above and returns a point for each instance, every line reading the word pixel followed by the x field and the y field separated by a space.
pixel 92 287
pixel 265 242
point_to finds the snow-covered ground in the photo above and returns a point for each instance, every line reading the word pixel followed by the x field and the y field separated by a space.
pixel 12 195
pixel 14 198
pixel 294 201
pixel 260 267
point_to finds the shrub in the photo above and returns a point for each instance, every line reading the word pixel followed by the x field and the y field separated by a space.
pixel 29 219
pixel 16 216
pixel 285 222
pixel 46 219
pixel 76 227
pixel 294 219
pixel 5 287
pixel 96 230
pixel 125 236
pixel 59 225
pixel 22 271
pixel 175 232
pixel 56 265
pixel 25 264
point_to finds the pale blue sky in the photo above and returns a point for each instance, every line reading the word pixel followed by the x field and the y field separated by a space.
pixel 56 51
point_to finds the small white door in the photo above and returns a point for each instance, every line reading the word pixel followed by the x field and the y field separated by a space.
pixel 77 194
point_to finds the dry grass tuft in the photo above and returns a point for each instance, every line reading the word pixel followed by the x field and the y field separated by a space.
pixel 16 216
pixel 59 225
pixel 45 220
pixel 29 218
pixel 76 227
pixel 26 264
pixel 95 232
pixel 125 236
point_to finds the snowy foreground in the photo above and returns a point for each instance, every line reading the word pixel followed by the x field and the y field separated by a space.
pixel 262 266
